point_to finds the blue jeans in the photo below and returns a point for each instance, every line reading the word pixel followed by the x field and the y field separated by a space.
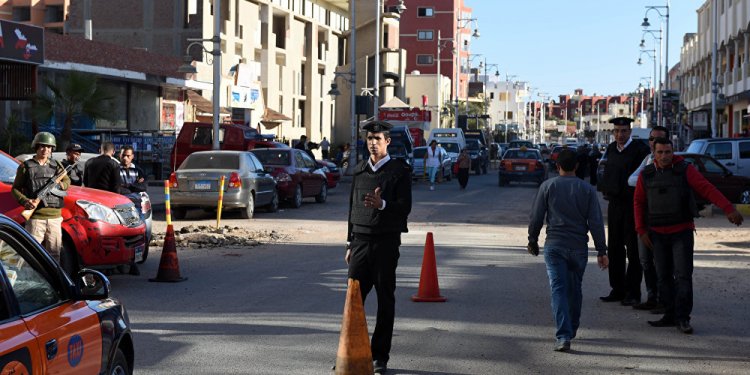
pixel 432 171
pixel 565 269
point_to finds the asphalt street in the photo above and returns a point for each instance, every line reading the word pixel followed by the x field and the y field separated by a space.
pixel 277 308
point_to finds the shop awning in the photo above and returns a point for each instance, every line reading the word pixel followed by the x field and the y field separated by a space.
pixel 202 104
pixel 272 119
pixel 395 102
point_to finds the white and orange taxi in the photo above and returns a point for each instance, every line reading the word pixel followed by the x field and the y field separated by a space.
pixel 522 164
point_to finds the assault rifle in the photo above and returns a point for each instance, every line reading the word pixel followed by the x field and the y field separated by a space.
pixel 50 187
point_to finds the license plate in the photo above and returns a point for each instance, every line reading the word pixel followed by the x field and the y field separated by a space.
pixel 202 185
pixel 139 251
pixel 519 168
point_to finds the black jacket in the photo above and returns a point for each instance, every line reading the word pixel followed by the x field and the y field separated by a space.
pixel 620 165
pixel 103 173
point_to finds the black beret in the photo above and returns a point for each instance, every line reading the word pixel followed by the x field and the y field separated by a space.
pixel 377 126
pixel 622 121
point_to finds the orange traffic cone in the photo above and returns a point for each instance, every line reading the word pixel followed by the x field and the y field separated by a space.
pixel 354 356
pixel 169 267
pixel 429 291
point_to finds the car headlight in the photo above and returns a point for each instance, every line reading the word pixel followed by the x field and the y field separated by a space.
pixel 96 211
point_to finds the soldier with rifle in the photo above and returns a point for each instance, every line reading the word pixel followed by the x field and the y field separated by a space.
pixel 39 187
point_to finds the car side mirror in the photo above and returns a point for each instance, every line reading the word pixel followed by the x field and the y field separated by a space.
pixel 91 285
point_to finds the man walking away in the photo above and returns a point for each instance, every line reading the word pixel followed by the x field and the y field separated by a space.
pixel 664 211
pixel 623 157
pixel 103 171
pixel 45 224
pixel 324 147
pixel 464 164
pixel 72 157
pixel 646 254
pixel 379 205
pixel 571 207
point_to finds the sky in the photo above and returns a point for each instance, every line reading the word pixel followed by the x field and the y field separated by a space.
pixel 559 46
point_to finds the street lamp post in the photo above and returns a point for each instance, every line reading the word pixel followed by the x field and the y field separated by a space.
pixel 215 61
pixel 658 85
pixel 475 34
pixel 653 57
pixel 505 108
pixel 646 24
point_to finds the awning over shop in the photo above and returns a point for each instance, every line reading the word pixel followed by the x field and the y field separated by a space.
pixel 202 104
pixel 272 119
pixel 395 102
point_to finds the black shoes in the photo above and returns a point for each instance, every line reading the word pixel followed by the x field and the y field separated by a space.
pixel 648 305
pixel 379 367
pixel 630 301
pixel 685 327
pixel 562 346
pixel 663 322
pixel 659 309
pixel 612 297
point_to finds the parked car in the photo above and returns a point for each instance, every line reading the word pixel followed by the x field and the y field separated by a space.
pixel 518 143
pixel 296 174
pixel 733 153
pixel 734 187
pixel 397 150
pixel 522 164
pixel 51 324
pixel 552 160
pixel 198 136
pixel 446 167
pixel 100 229
pixel 480 158
pixel 247 185
pixel 453 149
pixel 332 172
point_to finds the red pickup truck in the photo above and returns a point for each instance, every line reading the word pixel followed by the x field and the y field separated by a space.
pixel 100 229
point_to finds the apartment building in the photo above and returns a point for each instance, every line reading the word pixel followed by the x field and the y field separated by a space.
pixel 281 54
pixel 49 14
pixel 733 69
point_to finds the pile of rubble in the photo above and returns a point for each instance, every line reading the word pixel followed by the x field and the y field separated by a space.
pixel 203 236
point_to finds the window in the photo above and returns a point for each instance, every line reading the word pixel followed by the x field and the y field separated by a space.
pixel 299 159
pixel 712 166
pixel 32 290
pixel 424 60
pixel 720 150
pixel 492 95
pixel 54 13
pixel 21 14
pixel 425 12
pixel 424 35
pixel 744 150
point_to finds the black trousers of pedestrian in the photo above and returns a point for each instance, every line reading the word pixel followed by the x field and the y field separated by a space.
pixel 463 177
pixel 649 271
pixel 673 254
pixel 624 277
pixel 373 262
pixel 325 154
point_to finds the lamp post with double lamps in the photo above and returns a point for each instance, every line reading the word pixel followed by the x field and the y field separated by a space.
pixel 484 66
pixel 188 68
pixel 400 8
pixel 665 17
pixel 460 25
pixel 658 84
pixel 651 53
pixel 442 43
pixel 505 108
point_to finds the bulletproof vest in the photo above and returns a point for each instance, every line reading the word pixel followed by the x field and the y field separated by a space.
pixel 365 182
pixel 669 196
pixel 373 220
pixel 38 176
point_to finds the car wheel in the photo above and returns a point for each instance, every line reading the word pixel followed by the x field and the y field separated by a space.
pixel 69 260
pixel 297 198
pixel 274 205
pixel 249 210
pixel 119 364
pixel 179 213
pixel 321 198
pixel 145 254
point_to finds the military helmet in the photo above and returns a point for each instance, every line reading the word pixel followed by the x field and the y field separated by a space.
pixel 43 138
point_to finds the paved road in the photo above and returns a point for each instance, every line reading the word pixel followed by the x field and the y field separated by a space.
pixel 276 308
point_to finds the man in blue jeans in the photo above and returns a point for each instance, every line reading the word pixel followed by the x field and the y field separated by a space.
pixel 571 207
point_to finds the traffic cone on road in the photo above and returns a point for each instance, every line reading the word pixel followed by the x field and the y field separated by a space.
pixel 169 267
pixel 354 356
pixel 429 290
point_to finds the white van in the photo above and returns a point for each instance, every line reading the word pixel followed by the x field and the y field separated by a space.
pixel 448 135
pixel 734 153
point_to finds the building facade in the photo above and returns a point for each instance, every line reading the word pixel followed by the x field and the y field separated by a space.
pixel 49 14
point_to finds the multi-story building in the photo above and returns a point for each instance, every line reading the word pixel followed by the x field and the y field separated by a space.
pixel 733 69
pixel 290 49
pixel 49 14
pixel 506 102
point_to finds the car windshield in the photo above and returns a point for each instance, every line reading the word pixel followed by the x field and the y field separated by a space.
pixel 396 149
pixel 450 147
pixel 557 149
pixel 273 157
pixel 8 168
pixel 472 146
pixel 521 154
pixel 211 161
pixel 419 153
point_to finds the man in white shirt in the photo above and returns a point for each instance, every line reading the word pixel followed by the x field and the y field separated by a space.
pixel 433 159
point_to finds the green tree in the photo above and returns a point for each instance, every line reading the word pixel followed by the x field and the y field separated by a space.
pixel 13 140
pixel 77 95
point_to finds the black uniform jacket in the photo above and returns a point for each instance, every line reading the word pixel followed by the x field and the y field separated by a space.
pixel 394 181
pixel 103 173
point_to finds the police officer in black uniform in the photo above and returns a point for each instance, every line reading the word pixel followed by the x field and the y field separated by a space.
pixel 380 203
pixel 72 157
pixel 624 155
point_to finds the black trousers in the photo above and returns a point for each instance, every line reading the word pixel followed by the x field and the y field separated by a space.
pixel 649 271
pixel 325 154
pixel 373 262
pixel 463 176
pixel 673 255
pixel 624 277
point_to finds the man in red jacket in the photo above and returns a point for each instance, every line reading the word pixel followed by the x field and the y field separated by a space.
pixel 664 208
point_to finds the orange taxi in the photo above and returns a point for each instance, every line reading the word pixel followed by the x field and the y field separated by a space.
pixel 50 324
pixel 522 164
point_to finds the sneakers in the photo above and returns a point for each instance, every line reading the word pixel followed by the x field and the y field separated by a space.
pixel 562 346
pixel 379 367
pixel 663 322
pixel 685 327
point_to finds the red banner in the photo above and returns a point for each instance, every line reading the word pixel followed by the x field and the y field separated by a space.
pixel 415 115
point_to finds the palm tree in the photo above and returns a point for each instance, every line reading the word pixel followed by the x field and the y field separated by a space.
pixel 77 95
